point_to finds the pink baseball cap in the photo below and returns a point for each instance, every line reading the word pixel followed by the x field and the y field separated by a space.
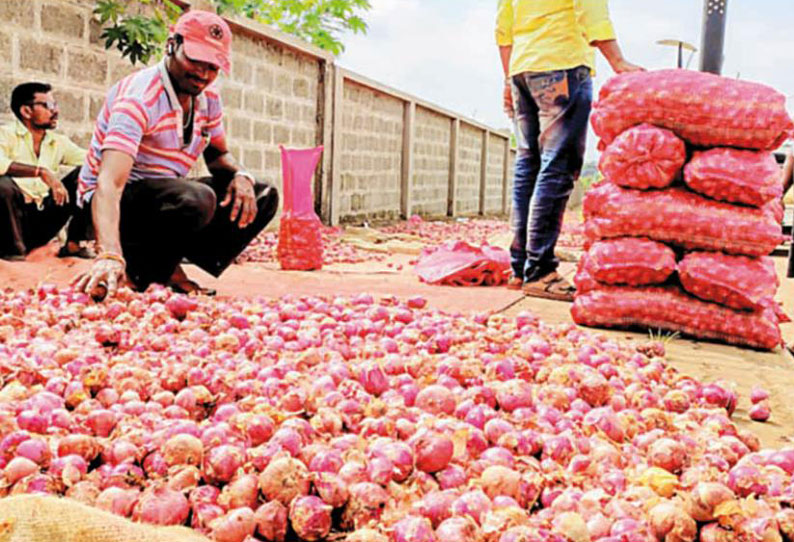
pixel 207 38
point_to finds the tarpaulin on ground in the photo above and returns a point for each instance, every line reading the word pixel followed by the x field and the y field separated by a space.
pixel 734 175
pixel 702 108
pixel 643 157
pixel 734 281
pixel 669 308
pixel 630 261
pixel 679 217
pixel 457 263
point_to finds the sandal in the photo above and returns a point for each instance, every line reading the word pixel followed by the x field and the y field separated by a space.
pixel 552 286
pixel 190 287
pixel 83 252
pixel 515 283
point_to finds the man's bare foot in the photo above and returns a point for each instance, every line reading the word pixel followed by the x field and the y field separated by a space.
pixel 180 283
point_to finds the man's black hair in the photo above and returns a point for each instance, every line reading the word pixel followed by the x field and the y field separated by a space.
pixel 25 94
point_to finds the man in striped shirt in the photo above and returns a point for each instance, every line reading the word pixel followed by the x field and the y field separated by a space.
pixel 150 132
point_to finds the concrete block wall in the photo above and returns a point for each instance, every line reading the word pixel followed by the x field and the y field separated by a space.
pixel 494 178
pixel 431 163
pixel 469 170
pixel 371 154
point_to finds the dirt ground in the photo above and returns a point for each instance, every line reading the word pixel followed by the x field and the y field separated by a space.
pixel 708 361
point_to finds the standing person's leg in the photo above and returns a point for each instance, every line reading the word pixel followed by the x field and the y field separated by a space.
pixel 564 101
pixel 158 218
pixel 79 228
pixel 12 203
pixel 216 246
pixel 527 165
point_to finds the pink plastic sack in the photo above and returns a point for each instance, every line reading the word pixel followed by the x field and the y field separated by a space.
pixel 701 108
pixel 300 239
pixel 457 263
pixel 670 309
pixel 733 175
pixel 679 217
pixel 630 261
pixel 643 157
pixel 734 281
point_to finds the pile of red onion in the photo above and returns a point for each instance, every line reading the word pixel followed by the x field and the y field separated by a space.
pixel 373 420
pixel 475 231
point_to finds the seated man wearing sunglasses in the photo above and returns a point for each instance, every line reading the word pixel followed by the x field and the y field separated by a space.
pixel 34 203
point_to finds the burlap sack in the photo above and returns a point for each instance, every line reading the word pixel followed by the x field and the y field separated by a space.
pixel 35 518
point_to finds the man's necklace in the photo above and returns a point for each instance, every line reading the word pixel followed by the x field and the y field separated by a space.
pixel 186 123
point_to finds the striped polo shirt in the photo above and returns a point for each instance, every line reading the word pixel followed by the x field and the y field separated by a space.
pixel 142 117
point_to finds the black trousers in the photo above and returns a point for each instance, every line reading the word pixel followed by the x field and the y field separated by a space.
pixel 166 220
pixel 24 227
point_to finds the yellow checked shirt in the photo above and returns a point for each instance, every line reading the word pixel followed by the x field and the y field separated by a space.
pixel 16 145
pixel 549 35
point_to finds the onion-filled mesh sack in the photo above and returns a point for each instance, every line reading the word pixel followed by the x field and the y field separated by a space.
pixel 643 157
pixel 734 281
pixel 631 261
pixel 300 239
pixel 701 108
pixel 679 217
pixel 669 308
pixel 734 175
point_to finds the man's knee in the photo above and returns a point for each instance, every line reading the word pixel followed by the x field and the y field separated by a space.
pixel 198 203
pixel 8 189
pixel 266 197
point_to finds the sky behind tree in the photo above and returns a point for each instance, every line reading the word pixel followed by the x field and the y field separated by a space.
pixel 444 50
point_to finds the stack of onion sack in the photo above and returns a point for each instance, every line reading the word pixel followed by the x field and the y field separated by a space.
pixel 678 236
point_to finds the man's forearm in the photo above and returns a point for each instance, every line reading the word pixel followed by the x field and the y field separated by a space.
pixel 611 51
pixel 224 163
pixel 505 52
pixel 105 208
pixel 18 169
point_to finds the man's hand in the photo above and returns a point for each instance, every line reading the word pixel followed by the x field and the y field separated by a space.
pixel 59 192
pixel 241 193
pixel 102 280
pixel 507 103
pixel 624 66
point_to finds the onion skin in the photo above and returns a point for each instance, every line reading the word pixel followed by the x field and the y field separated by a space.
pixel 310 518
pixel 235 526
pixel 433 453
pixel 413 529
pixel 271 521
pixel 284 479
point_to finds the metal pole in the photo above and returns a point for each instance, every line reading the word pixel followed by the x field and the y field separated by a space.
pixel 680 55
pixel 712 46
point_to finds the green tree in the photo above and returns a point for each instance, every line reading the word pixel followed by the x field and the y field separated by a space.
pixel 139 28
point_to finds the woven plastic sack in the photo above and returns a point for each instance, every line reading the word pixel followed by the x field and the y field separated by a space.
pixel 458 263
pixel 701 108
pixel 643 157
pixel 670 309
pixel 630 261
pixel 733 175
pixel 35 518
pixel 734 281
pixel 679 217
pixel 300 238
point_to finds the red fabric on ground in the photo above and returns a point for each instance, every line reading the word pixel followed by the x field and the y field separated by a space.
pixel 701 108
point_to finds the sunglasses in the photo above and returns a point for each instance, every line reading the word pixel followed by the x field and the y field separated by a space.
pixel 51 106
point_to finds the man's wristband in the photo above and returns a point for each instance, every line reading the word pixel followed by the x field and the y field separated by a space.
pixel 247 175
pixel 115 256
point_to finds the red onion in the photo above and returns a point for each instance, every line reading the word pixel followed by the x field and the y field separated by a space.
pixel 271 521
pixel 667 454
pixel 240 492
pixel 704 498
pixel 284 479
pixel 746 480
pixel 436 400
pixel 331 489
pixel 222 462
pixel 183 449
pixel 514 394
pixel 460 529
pixel 474 504
pixel 365 505
pixel 413 529
pixel 758 394
pixel 18 468
pixel 36 450
pixel 310 518
pixel 435 506
pixel 118 501
pixel 235 526
pixel 433 452
pixel 759 412
pixel 161 506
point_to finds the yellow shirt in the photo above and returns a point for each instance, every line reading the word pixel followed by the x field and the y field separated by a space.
pixel 549 35
pixel 16 145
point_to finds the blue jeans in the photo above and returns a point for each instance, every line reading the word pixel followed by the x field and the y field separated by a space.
pixel 551 114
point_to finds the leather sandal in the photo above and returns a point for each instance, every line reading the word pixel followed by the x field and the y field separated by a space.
pixel 83 252
pixel 191 287
pixel 552 286
pixel 514 283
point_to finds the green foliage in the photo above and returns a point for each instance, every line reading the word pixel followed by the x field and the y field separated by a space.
pixel 139 35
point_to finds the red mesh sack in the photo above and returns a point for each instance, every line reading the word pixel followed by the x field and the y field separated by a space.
pixel 669 308
pixel 300 237
pixel 643 157
pixel 631 261
pixel 734 281
pixel 679 217
pixel 734 175
pixel 701 108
